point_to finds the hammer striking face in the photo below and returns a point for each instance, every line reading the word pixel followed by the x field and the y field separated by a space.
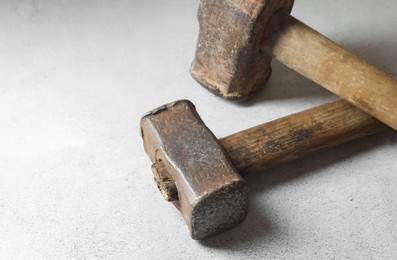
pixel 209 192
pixel 198 173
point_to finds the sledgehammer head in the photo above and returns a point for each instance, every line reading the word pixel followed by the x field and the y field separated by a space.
pixel 205 187
pixel 228 58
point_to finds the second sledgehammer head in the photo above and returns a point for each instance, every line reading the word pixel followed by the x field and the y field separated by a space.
pixel 208 191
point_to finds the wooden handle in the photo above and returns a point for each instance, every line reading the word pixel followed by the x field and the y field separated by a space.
pixel 316 57
pixel 296 135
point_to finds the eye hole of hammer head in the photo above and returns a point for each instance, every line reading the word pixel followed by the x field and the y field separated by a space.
pixel 164 181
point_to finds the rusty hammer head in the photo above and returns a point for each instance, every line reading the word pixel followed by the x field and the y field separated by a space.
pixel 228 59
pixel 192 170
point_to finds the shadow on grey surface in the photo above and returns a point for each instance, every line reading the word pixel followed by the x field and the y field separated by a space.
pixel 258 226
pixel 285 83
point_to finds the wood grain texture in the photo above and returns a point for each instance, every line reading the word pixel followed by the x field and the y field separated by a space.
pixel 316 57
pixel 296 135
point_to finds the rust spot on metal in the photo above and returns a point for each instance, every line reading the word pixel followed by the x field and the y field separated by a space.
pixel 192 170
pixel 228 59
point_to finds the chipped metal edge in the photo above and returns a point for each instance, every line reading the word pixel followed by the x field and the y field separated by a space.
pixel 166 107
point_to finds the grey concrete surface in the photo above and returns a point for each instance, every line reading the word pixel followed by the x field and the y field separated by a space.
pixel 75 182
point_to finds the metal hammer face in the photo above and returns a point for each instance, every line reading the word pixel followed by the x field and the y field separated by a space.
pixel 228 60
pixel 209 192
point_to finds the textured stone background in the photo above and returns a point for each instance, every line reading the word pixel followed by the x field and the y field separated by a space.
pixel 75 183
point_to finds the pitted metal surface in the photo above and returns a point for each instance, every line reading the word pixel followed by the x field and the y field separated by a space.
pixel 212 196
pixel 228 59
